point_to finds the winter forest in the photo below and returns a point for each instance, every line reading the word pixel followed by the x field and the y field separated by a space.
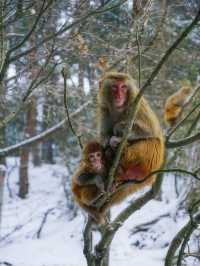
pixel 123 75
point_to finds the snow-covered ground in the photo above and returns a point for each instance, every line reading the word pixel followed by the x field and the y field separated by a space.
pixel 60 242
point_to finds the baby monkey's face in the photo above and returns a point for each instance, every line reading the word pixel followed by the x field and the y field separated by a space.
pixel 96 160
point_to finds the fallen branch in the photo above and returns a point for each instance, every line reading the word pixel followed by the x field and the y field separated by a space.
pixel 5 263
pixel 145 226
pixel 39 231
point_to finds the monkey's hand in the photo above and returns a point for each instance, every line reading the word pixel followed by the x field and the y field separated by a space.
pixel 115 185
pixel 114 141
pixel 85 178
pixel 104 141
pixel 109 153
pixel 118 129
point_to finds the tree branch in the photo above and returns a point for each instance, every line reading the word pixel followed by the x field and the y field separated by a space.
pixel 138 97
pixel 8 150
pixel 182 142
pixel 78 137
pixel 185 232
pixel 34 84
pixel 64 28
pixel 171 50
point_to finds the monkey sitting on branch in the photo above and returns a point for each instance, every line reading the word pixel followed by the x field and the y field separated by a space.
pixel 144 151
pixel 174 105
pixel 88 183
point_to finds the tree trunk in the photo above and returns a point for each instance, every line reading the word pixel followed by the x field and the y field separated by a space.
pixel 47 151
pixel 47 121
pixel 2 91
pixel 2 177
pixel 34 68
pixel 24 154
pixel 23 173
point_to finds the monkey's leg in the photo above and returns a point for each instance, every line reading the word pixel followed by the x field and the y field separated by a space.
pixel 146 155
pixel 149 155
pixel 97 216
pixel 89 194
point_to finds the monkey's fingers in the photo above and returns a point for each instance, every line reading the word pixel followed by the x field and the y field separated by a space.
pixel 114 141
pixel 114 186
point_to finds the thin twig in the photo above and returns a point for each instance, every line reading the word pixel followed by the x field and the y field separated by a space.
pixel 78 137
pixel 171 50
pixel 194 124
pixel 139 56
pixel 174 129
pixel 102 200
pixel 34 84
pixel 183 142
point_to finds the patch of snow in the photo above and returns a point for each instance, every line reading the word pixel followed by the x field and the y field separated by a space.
pixel 61 241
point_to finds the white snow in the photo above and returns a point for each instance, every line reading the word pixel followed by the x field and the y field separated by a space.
pixel 61 241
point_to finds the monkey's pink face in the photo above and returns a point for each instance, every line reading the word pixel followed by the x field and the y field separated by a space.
pixel 95 159
pixel 119 93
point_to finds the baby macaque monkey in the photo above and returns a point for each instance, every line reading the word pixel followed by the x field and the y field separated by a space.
pixel 88 184
pixel 93 176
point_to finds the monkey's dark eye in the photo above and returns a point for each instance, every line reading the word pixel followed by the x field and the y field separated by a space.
pixel 91 156
pixel 124 88
pixel 98 154
pixel 114 87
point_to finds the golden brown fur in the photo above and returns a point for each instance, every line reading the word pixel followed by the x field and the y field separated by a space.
pixel 85 194
pixel 147 150
pixel 174 105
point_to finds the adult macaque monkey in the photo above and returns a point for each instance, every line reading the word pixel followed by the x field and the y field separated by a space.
pixel 144 151
pixel 88 181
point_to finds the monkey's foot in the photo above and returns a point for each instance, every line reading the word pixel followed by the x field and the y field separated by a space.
pixel 99 219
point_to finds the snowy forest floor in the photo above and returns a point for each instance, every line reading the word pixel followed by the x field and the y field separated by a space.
pixel 61 243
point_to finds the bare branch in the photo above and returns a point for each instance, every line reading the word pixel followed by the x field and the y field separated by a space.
pixel 78 137
pixel 34 84
pixel 64 28
pixel 139 56
pixel 182 142
pixel 184 233
pixel 99 203
pixel 28 35
pixel 171 50
pixel 5 151
pixel 174 129
pixel 2 46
